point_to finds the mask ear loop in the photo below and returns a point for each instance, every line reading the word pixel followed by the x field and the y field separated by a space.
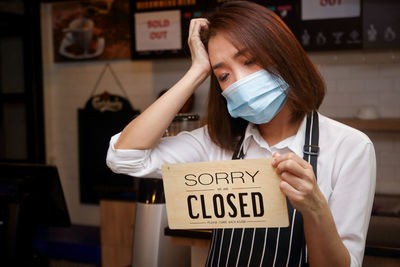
pixel 284 86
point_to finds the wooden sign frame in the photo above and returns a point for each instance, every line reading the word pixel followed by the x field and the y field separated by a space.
pixel 224 194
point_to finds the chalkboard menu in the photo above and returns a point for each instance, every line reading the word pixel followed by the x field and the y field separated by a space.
pixel 331 34
pixel 160 28
pixel 381 24
pixel 329 25
pixel 349 24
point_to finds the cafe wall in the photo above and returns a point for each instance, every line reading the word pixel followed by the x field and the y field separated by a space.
pixel 360 79
pixel 354 79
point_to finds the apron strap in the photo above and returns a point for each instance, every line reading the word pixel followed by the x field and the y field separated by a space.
pixel 310 154
pixel 311 148
pixel 238 153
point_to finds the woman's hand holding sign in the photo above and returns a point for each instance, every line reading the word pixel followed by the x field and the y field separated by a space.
pixel 300 186
pixel 299 183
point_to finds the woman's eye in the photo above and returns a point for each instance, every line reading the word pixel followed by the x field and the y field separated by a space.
pixel 223 77
pixel 248 62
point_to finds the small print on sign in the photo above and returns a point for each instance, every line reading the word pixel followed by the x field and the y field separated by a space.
pixel 158 31
pixel 224 194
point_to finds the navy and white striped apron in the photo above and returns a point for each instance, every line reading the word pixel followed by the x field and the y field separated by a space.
pixel 267 247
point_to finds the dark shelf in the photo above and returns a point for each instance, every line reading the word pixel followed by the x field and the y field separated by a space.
pixel 382 124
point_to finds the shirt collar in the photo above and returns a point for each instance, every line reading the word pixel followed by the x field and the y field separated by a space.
pixel 298 142
pixel 294 143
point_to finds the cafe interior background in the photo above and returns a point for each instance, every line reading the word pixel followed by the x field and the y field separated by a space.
pixel 50 76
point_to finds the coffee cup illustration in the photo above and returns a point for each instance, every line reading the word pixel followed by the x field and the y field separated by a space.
pixel 80 33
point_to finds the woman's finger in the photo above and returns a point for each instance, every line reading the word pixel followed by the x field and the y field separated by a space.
pixel 197 49
pixel 196 25
pixel 295 169
pixel 289 156
pixel 293 195
pixel 291 166
pixel 195 35
pixel 297 183
pixel 194 40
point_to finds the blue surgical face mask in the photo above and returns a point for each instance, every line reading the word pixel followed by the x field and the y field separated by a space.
pixel 257 97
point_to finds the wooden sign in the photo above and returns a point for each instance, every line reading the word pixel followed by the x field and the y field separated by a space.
pixel 224 194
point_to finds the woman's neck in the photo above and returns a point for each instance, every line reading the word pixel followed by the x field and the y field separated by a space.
pixel 280 127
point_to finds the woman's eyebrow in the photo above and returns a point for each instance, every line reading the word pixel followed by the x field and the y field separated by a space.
pixel 239 53
pixel 218 65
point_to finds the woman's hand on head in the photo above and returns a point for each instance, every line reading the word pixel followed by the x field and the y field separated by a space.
pixel 198 52
pixel 299 183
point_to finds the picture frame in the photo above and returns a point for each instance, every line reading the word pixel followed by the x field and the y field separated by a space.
pixel 91 30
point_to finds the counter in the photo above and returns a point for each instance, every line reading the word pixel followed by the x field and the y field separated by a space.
pixel 198 240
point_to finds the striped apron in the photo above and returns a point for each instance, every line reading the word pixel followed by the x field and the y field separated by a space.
pixel 267 246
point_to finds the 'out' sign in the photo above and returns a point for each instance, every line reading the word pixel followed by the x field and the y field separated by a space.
pixel 329 9
pixel 158 31
pixel 224 194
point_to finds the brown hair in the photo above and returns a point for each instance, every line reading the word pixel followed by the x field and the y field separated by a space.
pixel 273 46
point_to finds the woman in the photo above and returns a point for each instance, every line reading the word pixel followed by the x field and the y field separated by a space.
pixel 263 96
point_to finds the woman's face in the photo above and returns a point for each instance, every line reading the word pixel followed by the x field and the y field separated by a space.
pixel 228 63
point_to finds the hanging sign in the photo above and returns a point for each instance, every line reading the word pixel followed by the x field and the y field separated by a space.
pixel 224 194
pixel 155 31
pixel 329 9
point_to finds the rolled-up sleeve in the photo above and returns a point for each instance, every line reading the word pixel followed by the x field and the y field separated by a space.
pixel 353 193
pixel 127 161
pixel 185 147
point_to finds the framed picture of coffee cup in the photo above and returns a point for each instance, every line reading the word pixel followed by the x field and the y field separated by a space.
pixel 91 30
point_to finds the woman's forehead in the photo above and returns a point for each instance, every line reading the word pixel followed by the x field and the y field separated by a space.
pixel 220 46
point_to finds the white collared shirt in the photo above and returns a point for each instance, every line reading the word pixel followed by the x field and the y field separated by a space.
pixel 346 170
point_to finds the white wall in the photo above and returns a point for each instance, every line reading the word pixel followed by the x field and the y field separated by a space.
pixel 357 79
pixel 165 74
pixel 67 87
pixel 354 79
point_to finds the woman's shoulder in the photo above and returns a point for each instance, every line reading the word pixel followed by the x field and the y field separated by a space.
pixel 335 131
pixel 200 134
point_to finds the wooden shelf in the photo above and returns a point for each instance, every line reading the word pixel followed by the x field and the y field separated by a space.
pixel 382 124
